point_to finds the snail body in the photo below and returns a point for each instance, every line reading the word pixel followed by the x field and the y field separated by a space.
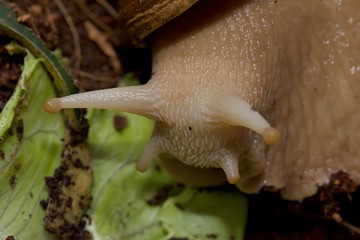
pixel 217 84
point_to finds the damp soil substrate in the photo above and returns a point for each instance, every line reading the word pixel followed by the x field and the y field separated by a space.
pixel 269 217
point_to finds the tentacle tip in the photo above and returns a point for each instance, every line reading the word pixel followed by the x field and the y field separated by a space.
pixel 271 135
pixel 233 179
pixel 141 167
pixel 52 105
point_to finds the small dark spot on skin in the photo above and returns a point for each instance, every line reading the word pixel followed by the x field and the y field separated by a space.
pixel 120 122
pixel 12 181
pixel 275 1
pixel 31 194
pixel 2 154
pixel 315 89
pixel 190 128
pixel 10 238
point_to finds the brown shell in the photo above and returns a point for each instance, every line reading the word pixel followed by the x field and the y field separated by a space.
pixel 141 17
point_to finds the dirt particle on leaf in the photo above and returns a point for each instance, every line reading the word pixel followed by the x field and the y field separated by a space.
pixel 44 203
pixel 120 122
pixel 20 129
pixel 66 180
pixel 212 236
pixel 69 202
pixel 179 206
pixel 78 164
pixel 17 166
pixel 12 181
pixel 160 197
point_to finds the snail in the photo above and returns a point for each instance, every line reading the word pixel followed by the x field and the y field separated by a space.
pixel 228 77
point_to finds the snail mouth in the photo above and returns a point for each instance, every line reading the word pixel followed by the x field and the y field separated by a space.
pixel 190 175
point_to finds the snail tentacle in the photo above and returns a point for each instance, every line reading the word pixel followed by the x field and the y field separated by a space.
pixel 230 166
pixel 134 99
pixel 150 152
pixel 230 109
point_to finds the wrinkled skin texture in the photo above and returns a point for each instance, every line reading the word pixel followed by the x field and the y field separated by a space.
pixel 295 62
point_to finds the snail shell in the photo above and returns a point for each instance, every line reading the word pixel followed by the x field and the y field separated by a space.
pixel 140 18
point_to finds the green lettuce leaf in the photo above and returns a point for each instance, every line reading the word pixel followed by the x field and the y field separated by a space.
pixel 30 150
pixel 122 208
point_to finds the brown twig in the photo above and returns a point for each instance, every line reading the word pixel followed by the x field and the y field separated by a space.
pixel 33 25
pixel 101 40
pixel 81 4
pixel 93 77
pixel 108 8
pixel 50 20
pixel 73 31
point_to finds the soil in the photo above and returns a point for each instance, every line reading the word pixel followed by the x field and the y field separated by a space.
pixel 10 69
pixel 332 214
